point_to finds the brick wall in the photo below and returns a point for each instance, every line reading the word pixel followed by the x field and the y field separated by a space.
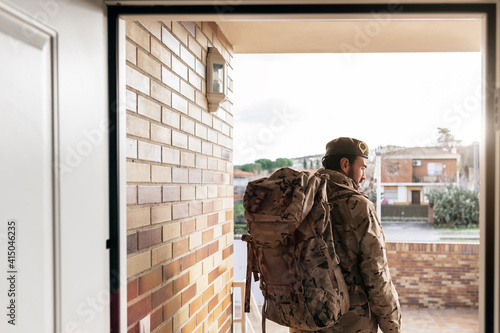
pixel 449 168
pixel 179 181
pixel 405 170
pixel 432 275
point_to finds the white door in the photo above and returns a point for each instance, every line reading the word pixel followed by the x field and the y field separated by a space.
pixel 28 190
pixel 54 198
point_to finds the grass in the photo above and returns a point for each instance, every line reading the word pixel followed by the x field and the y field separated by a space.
pixel 453 227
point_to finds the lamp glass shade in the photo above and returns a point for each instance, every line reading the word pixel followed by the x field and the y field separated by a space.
pixel 218 78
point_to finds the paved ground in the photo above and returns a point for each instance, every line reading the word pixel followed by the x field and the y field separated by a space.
pixel 425 232
pixel 414 321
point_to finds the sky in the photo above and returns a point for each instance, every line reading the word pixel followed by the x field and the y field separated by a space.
pixel 291 105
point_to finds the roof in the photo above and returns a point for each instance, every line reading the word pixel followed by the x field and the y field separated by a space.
pixel 243 174
pixel 420 152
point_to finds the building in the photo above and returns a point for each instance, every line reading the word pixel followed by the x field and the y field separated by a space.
pixel 408 173
pixel 240 182
pixel 311 162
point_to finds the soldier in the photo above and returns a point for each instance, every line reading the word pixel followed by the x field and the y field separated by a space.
pixel 359 243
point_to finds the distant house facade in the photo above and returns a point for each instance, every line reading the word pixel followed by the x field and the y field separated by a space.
pixel 240 182
pixel 311 162
pixel 408 174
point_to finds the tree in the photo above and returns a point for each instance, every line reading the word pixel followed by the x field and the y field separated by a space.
pixel 252 167
pixel 282 162
pixel 265 163
pixel 304 163
pixel 446 139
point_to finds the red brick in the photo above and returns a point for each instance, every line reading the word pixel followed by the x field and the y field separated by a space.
pixel 172 306
pixel 181 282
pixel 223 317
pixel 208 293
pixel 227 326
pixel 188 294
pixel 132 290
pixel 149 238
pixel 180 247
pixel 199 329
pixel 207 236
pixel 188 227
pixel 161 295
pixel 188 261
pixel 138 310
pixel 226 228
pixel 208 207
pixel 213 248
pixel 202 314
pixel 213 219
pixel 134 329
pixel 150 280
pixel 213 303
pixel 229 215
pixel 202 253
pixel 132 243
pixel 227 252
pixel 156 318
pixel 226 302
pixel 166 328
pixel 172 269
pixel 189 326
pixel 195 305
pixel 212 275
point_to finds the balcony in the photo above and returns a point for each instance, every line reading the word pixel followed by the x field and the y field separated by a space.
pixel 445 179
pixel 435 272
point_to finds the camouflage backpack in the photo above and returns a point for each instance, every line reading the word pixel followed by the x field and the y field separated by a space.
pixel 288 222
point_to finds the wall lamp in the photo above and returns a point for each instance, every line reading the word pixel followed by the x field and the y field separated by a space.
pixel 217 79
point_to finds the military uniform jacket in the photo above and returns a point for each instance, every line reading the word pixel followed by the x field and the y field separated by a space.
pixel 360 245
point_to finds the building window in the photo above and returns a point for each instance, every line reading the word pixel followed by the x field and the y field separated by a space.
pixel 393 169
pixel 434 169
pixel 391 196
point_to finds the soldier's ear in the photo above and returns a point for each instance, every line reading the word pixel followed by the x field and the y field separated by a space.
pixel 345 165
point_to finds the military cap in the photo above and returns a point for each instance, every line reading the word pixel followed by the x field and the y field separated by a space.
pixel 348 146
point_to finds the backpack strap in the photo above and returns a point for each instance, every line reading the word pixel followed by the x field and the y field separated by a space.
pixel 248 283
pixel 345 190
pixel 337 272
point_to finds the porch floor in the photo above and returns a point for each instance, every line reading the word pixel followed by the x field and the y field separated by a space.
pixel 414 320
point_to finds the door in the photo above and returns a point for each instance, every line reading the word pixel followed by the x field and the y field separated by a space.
pixel 29 190
pixel 415 197
pixel 54 202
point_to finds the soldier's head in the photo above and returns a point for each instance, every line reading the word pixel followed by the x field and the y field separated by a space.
pixel 348 156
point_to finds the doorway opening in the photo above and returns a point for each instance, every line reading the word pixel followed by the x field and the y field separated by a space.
pixel 183 173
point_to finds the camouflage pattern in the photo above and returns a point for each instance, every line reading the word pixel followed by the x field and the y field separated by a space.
pixel 290 246
pixel 360 244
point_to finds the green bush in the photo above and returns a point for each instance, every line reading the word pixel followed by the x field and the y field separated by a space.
pixel 455 206
pixel 239 211
pixel 240 223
